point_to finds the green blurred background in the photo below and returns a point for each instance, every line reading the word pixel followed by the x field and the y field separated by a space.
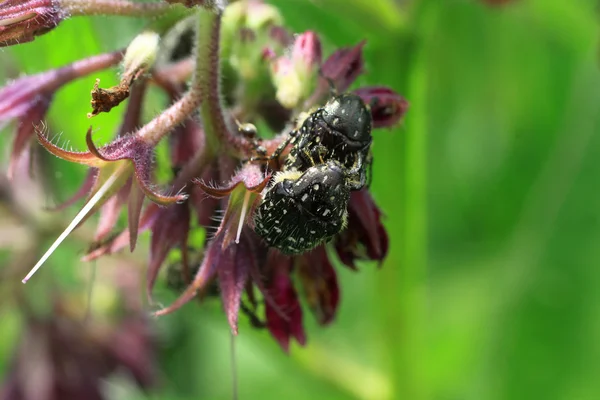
pixel 492 288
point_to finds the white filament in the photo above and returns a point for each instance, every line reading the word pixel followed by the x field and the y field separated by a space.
pixel 242 217
pixel 78 218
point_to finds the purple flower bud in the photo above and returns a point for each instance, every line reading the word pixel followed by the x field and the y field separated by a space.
pixel 344 66
pixel 387 106
pixel 21 21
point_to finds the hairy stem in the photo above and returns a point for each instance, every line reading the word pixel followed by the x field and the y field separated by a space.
pixel 54 79
pixel 207 79
pixel 114 7
pixel 164 123
pixel 85 67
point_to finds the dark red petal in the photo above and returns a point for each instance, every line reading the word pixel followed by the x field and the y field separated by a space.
pixel 320 284
pixel 266 262
pixel 233 274
pixel 343 67
pixel 365 232
pixel 170 229
pixel 282 329
pixel 387 107
pixel 369 217
pixel 344 246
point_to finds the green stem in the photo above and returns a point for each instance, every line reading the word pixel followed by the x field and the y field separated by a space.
pixel 207 78
pixel 409 320
pixel 114 7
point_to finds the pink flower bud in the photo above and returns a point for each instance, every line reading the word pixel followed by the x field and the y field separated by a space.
pixel 294 75
pixel 21 21
pixel 307 51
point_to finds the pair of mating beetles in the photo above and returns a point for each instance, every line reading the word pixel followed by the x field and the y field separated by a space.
pixel 306 203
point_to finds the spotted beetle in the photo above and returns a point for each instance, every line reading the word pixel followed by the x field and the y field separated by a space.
pixel 302 209
pixel 306 203
pixel 341 130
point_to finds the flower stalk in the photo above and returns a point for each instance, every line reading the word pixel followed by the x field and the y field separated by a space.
pixel 122 8
pixel 207 78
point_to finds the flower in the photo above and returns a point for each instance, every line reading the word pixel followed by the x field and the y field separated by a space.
pixel 220 168
pixel 21 21
pixel 231 262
